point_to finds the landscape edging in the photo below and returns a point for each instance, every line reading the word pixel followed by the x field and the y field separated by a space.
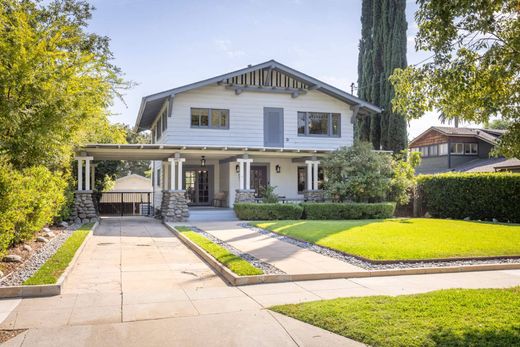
pixel 39 290
pixel 236 280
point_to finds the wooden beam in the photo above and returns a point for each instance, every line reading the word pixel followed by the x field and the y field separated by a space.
pixel 294 92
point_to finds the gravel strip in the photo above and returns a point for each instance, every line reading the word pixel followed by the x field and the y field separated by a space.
pixel 369 266
pixel 266 267
pixel 32 265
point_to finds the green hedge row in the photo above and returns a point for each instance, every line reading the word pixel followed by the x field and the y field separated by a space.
pixel 29 199
pixel 474 195
pixel 349 210
pixel 252 211
pixel 308 210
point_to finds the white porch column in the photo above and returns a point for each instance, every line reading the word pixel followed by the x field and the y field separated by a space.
pixel 248 174
pixel 179 176
pixel 87 174
pixel 315 176
pixel 172 173
pixel 309 174
pixel 241 174
pixel 80 174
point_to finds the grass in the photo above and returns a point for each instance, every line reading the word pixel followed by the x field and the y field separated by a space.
pixel 236 264
pixel 454 317
pixel 401 239
pixel 51 270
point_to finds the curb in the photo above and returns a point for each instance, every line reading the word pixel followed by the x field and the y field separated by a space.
pixel 40 290
pixel 235 280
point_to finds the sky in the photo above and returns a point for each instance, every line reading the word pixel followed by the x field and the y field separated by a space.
pixel 161 44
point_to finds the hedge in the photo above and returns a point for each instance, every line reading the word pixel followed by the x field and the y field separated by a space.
pixel 29 199
pixel 348 210
pixel 252 211
pixel 481 196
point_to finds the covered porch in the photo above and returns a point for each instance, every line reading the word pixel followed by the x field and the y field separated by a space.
pixel 199 176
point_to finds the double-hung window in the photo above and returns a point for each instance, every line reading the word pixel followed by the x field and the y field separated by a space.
pixel 209 118
pixel 319 124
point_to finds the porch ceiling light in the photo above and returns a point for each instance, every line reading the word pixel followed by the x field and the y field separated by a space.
pixel 278 168
pixel 203 161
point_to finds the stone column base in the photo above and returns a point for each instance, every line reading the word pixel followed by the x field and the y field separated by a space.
pixel 174 206
pixel 314 195
pixel 84 210
pixel 243 195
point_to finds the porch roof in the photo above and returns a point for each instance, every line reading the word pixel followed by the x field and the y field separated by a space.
pixel 113 151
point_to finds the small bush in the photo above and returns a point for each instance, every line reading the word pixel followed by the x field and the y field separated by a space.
pixel 349 210
pixel 474 195
pixel 251 211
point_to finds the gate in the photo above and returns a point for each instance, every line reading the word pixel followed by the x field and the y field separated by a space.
pixel 125 203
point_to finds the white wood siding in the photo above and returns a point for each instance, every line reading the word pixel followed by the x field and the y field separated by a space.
pixel 246 113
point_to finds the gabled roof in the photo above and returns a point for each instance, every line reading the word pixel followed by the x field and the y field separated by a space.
pixel 151 104
pixel 487 135
pixel 124 178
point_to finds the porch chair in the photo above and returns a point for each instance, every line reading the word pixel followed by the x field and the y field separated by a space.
pixel 220 199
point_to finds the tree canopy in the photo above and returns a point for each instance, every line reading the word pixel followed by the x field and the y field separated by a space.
pixel 56 82
pixel 474 71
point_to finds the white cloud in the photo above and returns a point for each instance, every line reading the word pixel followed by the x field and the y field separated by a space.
pixel 227 47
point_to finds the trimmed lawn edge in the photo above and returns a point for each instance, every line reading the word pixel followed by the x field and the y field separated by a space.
pixel 42 290
pixel 393 261
pixel 52 270
pixel 234 263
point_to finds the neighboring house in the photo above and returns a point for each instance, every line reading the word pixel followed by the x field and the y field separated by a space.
pixel 459 149
pixel 131 194
pixel 132 183
pixel 233 134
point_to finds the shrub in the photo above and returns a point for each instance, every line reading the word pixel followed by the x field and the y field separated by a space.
pixel 251 211
pixel 29 199
pixel 348 210
pixel 268 194
pixel 475 195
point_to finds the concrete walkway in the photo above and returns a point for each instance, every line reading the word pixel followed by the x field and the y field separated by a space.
pixel 287 257
pixel 137 285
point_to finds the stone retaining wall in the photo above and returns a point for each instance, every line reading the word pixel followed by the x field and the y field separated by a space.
pixel 245 195
pixel 314 195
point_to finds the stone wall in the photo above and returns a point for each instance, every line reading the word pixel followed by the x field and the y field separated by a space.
pixel 85 210
pixel 314 195
pixel 245 195
pixel 174 207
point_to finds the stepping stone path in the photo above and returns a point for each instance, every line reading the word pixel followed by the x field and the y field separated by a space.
pixel 12 258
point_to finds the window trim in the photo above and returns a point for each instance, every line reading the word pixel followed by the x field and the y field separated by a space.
pixel 209 126
pixel 329 125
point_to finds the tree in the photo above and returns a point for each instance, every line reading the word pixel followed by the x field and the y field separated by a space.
pixel 474 74
pixel 56 82
pixel 499 124
pixel 382 49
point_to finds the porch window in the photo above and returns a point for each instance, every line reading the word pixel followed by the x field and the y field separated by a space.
pixel 158 177
pixel 319 124
pixel 209 118
pixel 302 178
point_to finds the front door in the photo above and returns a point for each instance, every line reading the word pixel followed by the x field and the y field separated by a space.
pixel 258 179
pixel 196 184
pixel 273 127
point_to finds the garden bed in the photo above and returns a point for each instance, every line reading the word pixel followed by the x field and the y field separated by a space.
pixel 454 317
pixel 333 238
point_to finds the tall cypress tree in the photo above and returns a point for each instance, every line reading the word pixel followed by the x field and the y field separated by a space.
pixel 382 49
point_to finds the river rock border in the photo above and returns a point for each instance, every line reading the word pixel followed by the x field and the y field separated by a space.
pixel 265 267
pixel 371 266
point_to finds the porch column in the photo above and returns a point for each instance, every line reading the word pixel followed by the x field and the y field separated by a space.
pixel 309 174
pixel 315 176
pixel 93 176
pixel 179 176
pixel 87 174
pixel 80 174
pixel 172 173
pixel 248 173
pixel 241 174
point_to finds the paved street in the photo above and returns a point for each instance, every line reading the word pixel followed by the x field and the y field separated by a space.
pixel 136 284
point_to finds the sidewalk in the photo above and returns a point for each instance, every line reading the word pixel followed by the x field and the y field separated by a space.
pixel 287 257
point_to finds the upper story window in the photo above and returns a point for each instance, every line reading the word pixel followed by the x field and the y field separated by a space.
pixel 209 118
pixel 319 124
pixel 164 119
pixel 464 148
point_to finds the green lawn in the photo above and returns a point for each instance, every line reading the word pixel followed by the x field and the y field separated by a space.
pixel 51 270
pixel 236 264
pixel 400 239
pixel 455 317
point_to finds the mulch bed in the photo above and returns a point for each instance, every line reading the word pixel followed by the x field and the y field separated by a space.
pixel 6 335
pixel 8 267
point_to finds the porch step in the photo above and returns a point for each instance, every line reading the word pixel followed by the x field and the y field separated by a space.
pixel 211 214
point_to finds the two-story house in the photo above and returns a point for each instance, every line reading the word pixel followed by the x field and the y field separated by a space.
pixel 233 134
